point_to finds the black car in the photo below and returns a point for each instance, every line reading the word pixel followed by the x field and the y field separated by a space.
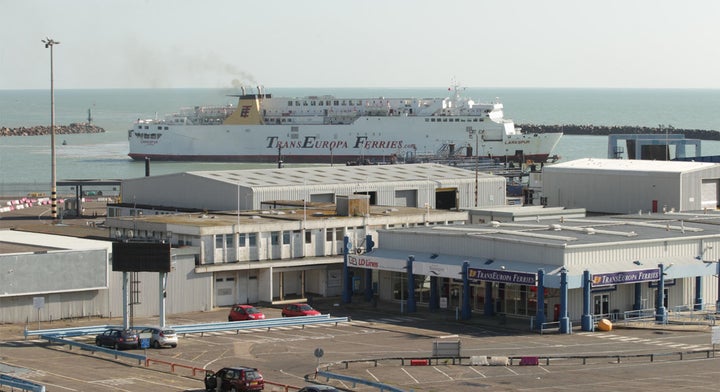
pixel 236 379
pixel 118 339
pixel 319 388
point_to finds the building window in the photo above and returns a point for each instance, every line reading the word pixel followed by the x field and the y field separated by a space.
pixel 308 237
pixel 229 241
pixel 219 241
pixel 274 238
pixel 241 240
pixel 252 239
pixel 286 237
pixel 328 235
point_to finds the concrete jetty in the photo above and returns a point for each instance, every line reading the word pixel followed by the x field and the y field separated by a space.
pixel 40 130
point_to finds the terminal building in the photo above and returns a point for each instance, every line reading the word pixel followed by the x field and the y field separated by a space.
pixel 499 267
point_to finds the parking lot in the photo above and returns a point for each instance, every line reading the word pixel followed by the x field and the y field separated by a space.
pixel 374 342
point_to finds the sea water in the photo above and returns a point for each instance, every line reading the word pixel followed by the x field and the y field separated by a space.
pixel 25 162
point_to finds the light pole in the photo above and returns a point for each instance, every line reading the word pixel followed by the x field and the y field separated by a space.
pixel 49 43
pixel 477 162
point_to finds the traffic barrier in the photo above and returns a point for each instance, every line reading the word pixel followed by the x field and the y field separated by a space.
pixel 418 362
pixel 21 384
pixel 196 371
pixel 479 360
pixel 499 361
pixel 529 361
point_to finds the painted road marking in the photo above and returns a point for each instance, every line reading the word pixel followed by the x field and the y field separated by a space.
pixel 409 375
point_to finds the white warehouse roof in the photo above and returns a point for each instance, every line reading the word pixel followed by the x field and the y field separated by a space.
pixel 337 174
pixel 411 185
pixel 634 165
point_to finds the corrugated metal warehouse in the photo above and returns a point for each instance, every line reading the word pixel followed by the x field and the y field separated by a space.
pixel 617 186
pixel 50 277
pixel 441 186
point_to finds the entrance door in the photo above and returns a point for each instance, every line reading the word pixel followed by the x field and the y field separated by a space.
pixel 665 298
pixel 225 289
pixel 602 304
pixel 253 296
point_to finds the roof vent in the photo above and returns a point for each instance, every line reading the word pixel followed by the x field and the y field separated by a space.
pixel 556 227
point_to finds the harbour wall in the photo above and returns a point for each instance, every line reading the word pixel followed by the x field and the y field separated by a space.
pixel 40 130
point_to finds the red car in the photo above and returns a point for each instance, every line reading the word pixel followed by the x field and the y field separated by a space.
pixel 245 312
pixel 293 310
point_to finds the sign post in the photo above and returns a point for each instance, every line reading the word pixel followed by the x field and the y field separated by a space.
pixel 318 354
pixel 38 303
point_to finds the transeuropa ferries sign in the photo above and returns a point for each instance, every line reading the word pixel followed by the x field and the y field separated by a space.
pixel 649 275
pixel 502 276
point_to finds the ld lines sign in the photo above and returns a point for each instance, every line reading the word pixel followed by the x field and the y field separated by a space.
pixel 376 263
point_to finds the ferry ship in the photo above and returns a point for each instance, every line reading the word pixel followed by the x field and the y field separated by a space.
pixel 328 129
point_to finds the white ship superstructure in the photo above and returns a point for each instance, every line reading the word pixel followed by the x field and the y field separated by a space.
pixel 326 129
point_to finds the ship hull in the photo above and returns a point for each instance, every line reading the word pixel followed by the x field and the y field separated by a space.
pixel 376 139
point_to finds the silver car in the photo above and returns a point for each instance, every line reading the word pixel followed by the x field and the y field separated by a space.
pixel 160 337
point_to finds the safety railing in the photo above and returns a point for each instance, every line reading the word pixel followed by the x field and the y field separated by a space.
pixel 255 324
pixel 640 315
pixel 357 380
pixel 688 315
pixel 523 360
pixel 70 332
pixel 546 326
pixel 89 347
pixel 19 383
pixel 199 328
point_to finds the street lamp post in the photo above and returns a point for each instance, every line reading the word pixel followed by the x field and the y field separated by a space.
pixel 49 43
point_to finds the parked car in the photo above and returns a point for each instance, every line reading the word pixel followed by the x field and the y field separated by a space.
pixel 118 338
pixel 245 312
pixel 319 388
pixel 293 310
pixel 238 379
pixel 161 337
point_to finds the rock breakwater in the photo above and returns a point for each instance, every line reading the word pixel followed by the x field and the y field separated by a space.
pixel 40 130
pixel 601 130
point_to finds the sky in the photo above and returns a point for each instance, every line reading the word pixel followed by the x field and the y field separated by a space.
pixel 360 43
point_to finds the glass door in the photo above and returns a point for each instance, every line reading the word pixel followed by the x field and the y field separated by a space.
pixel 602 305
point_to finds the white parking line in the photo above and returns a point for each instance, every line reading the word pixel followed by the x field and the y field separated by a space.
pixel 372 375
pixel 477 371
pixel 443 373
pixel 409 375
